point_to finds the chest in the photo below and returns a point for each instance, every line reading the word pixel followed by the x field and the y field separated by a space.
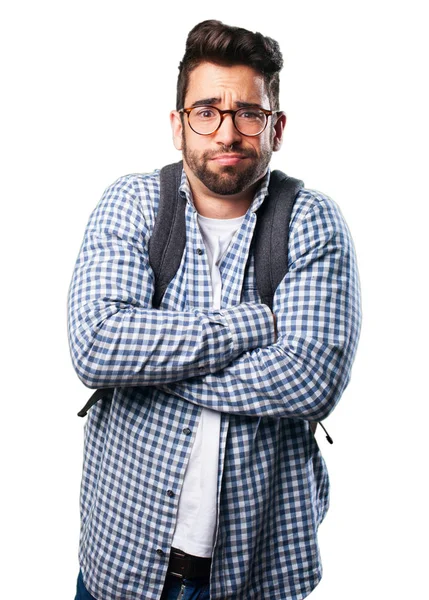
pixel 191 287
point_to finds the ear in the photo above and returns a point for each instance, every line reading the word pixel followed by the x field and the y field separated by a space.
pixel 176 128
pixel 279 126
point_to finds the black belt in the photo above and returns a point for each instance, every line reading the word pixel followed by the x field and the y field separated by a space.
pixel 188 566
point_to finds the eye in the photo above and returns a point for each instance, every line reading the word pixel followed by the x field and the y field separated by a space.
pixel 251 115
pixel 204 113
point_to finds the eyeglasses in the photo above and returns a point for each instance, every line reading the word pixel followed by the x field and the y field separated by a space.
pixel 205 120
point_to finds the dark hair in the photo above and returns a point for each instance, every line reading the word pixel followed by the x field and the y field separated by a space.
pixel 212 41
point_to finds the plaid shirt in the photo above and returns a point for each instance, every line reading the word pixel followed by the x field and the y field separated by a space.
pixel 166 364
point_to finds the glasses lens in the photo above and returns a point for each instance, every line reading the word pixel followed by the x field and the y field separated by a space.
pixel 250 121
pixel 204 119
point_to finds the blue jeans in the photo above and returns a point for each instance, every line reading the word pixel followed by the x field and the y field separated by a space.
pixel 185 589
pixel 174 589
pixel 81 591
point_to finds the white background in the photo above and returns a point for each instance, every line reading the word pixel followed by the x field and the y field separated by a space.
pixel 87 90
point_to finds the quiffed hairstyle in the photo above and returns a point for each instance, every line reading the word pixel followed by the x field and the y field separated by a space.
pixel 212 41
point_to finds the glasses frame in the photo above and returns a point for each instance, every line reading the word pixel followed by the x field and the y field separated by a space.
pixel 233 113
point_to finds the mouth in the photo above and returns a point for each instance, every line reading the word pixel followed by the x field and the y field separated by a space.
pixel 228 159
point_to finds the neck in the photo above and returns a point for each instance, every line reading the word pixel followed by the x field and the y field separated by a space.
pixel 216 206
pixel 226 207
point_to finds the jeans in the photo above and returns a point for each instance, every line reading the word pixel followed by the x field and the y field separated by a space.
pixel 174 589
pixel 185 589
pixel 81 591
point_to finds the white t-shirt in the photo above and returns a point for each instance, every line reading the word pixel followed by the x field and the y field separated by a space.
pixel 197 512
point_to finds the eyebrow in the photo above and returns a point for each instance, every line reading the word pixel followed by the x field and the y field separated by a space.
pixel 213 101
pixel 205 102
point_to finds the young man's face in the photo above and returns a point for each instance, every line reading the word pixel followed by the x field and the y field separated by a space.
pixel 226 162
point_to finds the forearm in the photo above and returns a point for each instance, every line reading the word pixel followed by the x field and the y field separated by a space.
pixel 116 337
pixel 317 309
pixel 292 378
pixel 115 345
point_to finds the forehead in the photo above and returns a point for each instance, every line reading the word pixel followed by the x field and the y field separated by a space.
pixel 225 84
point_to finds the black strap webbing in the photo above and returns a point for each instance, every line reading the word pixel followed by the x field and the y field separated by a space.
pixel 271 236
pixel 168 238
pixel 106 393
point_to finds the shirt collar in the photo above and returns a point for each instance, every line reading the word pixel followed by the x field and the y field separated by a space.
pixel 260 194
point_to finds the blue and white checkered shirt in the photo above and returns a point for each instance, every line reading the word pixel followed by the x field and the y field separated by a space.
pixel 166 364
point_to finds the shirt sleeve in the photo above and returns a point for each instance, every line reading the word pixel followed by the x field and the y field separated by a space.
pixel 116 337
pixel 317 305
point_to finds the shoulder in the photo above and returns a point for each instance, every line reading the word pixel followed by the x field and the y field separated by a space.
pixel 134 187
pixel 133 197
pixel 312 204
pixel 316 221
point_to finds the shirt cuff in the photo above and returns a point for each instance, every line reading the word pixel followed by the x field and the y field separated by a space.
pixel 251 326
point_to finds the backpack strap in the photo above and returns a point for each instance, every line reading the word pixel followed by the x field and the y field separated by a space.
pixel 271 236
pixel 168 238
pixel 106 393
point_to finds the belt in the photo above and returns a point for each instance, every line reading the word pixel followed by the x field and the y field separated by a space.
pixel 187 566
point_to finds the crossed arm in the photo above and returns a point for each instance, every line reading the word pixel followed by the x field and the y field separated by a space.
pixel 228 360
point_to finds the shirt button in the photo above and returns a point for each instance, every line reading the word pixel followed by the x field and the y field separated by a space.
pixel 187 431
pixel 200 251
pixel 170 494
pixel 160 552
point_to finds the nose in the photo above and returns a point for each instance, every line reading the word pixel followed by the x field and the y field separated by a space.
pixel 227 134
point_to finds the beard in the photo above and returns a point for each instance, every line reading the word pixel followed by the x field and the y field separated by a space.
pixel 230 179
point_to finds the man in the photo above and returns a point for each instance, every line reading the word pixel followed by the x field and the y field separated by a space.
pixel 202 478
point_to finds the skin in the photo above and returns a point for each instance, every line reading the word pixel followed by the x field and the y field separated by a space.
pixel 223 180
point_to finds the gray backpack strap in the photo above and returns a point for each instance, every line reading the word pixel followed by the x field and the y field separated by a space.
pixel 271 236
pixel 168 238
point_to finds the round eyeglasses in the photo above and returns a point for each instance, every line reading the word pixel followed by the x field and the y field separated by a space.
pixel 205 120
